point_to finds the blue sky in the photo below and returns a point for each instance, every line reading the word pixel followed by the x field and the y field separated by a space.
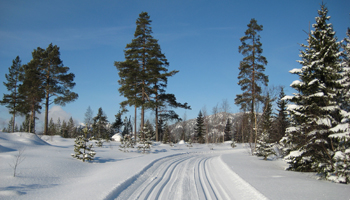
pixel 200 38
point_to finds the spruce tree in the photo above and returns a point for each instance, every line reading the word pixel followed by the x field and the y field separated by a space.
pixel 13 100
pixel 342 131
pixel 227 130
pixel 266 123
pixel 82 150
pixel 315 110
pixel 251 73
pixel 64 130
pixel 88 120
pixel 281 120
pixel 52 128
pixel 118 122
pixel 100 126
pixel 199 129
pixel 55 78
pixel 71 128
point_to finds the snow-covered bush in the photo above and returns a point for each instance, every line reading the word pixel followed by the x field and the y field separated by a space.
pixel 145 142
pixel 264 149
pixel 189 143
pixel 82 150
pixel 125 143
pixel 233 144
pixel 99 142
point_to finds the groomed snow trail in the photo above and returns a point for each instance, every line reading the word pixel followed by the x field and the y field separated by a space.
pixel 187 176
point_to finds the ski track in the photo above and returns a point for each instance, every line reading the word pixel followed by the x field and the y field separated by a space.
pixel 186 176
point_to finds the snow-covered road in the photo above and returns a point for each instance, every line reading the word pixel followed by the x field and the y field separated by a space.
pixel 187 176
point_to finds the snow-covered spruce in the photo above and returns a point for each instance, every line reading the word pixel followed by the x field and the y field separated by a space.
pixel 126 143
pixel 316 113
pixel 145 141
pixel 263 148
pixel 82 150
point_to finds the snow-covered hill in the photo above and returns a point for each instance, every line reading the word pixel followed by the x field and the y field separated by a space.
pixel 49 172
pixel 216 122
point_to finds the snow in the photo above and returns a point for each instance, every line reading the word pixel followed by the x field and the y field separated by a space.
pixel 179 172
pixel 296 83
pixel 295 71
pixel 117 137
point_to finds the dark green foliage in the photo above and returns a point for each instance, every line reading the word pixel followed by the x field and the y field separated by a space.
pixel 266 123
pixel 144 74
pixel 251 68
pixel 127 126
pixel 55 79
pixel 227 130
pixel 118 122
pixel 281 121
pixel 166 136
pixel 251 75
pixel 199 129
pixel 99 126
pixel 52 128
pixel 13 100
pixel 33 91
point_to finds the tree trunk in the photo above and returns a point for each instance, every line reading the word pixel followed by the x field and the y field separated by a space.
pixel 46 113
pixel 135 123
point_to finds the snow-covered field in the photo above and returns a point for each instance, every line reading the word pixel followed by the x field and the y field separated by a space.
pixel 49 172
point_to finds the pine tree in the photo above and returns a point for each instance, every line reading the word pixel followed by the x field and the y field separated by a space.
pixel 144 73
pixel 263 147
pixel 166 137
pixel 251 73
pixel 25 124
pixel 13 100
pixel 315 110
pixel 10 127
pixel 33 90
pixel 150 129
pixel 64 130
pixel 82 150
pixel 127 126
pixel 342 130
pixel 71 128
pixel 281 120
pixel 199 129
pixel 125 143
pixel 88 120
pixel 227 130
pixel 145 140
pixel 118 122
pixel 55 79
pixel 100 125
pixel 52 127
pixel 266 122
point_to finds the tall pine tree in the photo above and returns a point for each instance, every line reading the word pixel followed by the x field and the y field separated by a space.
pixel 251 73
pixel 144 73
pixel 14 99
pixel 199 129
pixel 33 91
pixel 55 78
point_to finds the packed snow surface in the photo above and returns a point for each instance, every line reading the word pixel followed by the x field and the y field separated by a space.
pixel 179 172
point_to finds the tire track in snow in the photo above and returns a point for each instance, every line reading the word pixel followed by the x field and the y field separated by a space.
pixel 186 176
